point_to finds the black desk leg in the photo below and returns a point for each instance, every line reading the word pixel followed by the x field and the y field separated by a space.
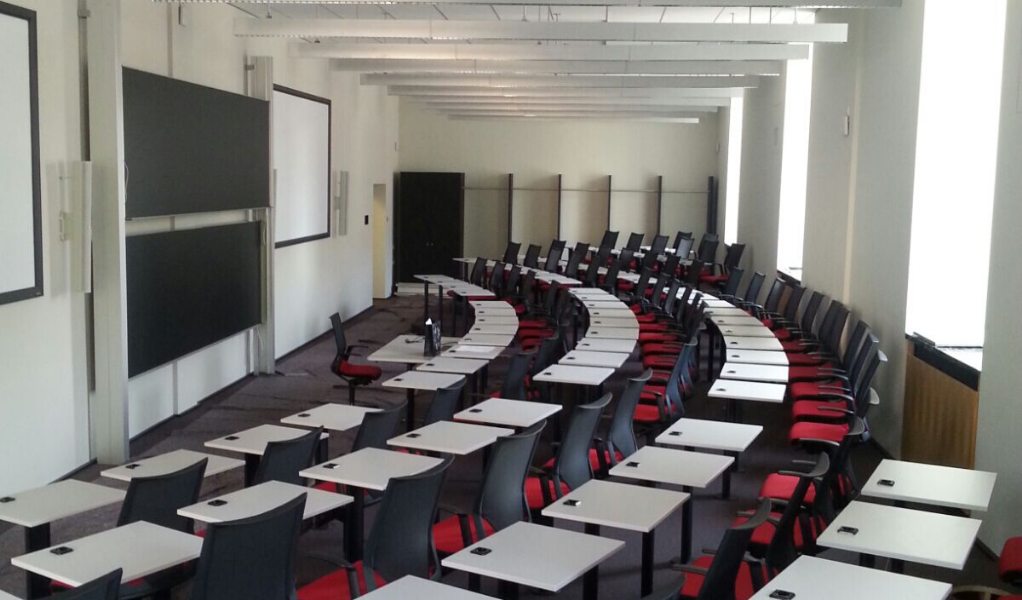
pixel 591 580
pixel 486 378
pixel 507 590
pixel 353 532
pixel 425 301
pixel 322 451
pixel 725 491
pixel 686 531
pixel 648 547
pixel 251 466
pixel 37 538
pixel 410 410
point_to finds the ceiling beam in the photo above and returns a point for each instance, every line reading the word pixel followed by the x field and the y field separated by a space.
pixel 574 115
pixel 545 30
pixel 562 107
pixel 578 51
pixel 572 81
pixel 520 118
pixel 693 104
pixel 597 67
pixel 613 92
pixel 680 3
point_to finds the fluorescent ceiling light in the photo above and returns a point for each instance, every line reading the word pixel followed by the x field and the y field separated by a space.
pixel 606 67
pixel 539 109
pixel 536 30
pixel 699 3
pixel 535 91
pixel 579 51
pixel 575 102
pixel 693 104
pixel 584 81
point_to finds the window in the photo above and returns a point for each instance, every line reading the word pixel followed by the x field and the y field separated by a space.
pixel 734 171
pixel 794 164
pixel 956 154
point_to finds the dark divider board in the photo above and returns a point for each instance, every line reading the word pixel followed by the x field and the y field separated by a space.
pixel 188 289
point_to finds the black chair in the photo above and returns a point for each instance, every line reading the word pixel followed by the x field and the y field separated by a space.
pixel 634 242
pixel 609 239
pixel 571 467
pixel 281 461
pixel 496 282
pixel 708 249
pixel 693 272
pixel 733 279
pixel 378 427
pixel 251 559
pixel 656 248
pixel 500 501
pixel 513 387
pixel 610 282
pixel 670 267
pixel 619 442
pixel 444 404
pixel 511 253
pixel 627 259
pixel 717 577
pixel 100 588
pixel 478 272
pixel 592 277
pixel 531 260
pixel 732 257
pixel 580 251
pixel 553 257
pixel 400 544
pixel 683 246
pixel 352 374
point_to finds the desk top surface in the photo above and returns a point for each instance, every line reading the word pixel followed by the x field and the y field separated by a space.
pixel 49 503
pixel 422 380
pixel 370 468
pixel 771 343
pixel 335 417
pixel 753 391
pixel 750 331
pixel 752 372
pixel 619 505
pixel 453 364
pixel 487 339
pixel 588 358
pixel 406 349
pixel 712 435
pixel 575 375
pixel 513 413
pixel 258 499
pixel 474 352
pixel 757 357
pixel 253 441
pixel 677 467
pixel 931 484
pixel 605 345
pixel 810 578
pixel 170 462
pixel 421 589
pixel 449 437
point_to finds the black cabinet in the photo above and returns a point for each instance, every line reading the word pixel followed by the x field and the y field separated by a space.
pixel 429 221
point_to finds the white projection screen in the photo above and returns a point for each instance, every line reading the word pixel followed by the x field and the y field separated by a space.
pixel 301 162
pixel 21 259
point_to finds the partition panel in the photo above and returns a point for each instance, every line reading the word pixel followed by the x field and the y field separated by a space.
pixel 486 215
pixel 634 211
pixel 683 212
pixel 534 213
pixel 584 211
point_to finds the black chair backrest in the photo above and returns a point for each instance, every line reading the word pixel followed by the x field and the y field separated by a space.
pixel 794 301
pixel 106 587
pixel 496 278
pixel 500 499
pixel 634 242
pixel 609 239
pixel 281 461
pixel 550 300
pixel 610 279
pixel 671 265
pixel 708 250
pixel 511 253
pixel 513 277
pixel 854 343
pixel 251 558
pixel 625 257
pixel 681 235
pixel 782 550
pixel 401 541
pixel 339 340
pixel 683 247
pixel 831 336
pixel 864 354
pixel 553 257
pixel 445 404
pixel 478 272
pixel 755 285
pixel 620 432
pixel 809 314
pixel 694 271
pixel 531 260
pixel 672 294
pixel 679 382
pixel 733 255
pixel 719 582
pixel 773 299
pixel 659 288
pixel 514 380
pixel 572 465
pixel 546 354
pixel 734 277
pixel 157 499
pixel 640 286
pixel 656 248
pixel 525 288
pixel 378 427
pixel 580 251
pixel 592 276
pixel 861 389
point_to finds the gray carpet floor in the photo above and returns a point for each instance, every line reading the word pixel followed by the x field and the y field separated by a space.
pixel 305 381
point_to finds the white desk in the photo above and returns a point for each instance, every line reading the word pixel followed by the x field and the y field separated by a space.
pixel 572 375
pixel 252 443
pixel 612 333
pixel 810 578
pixel 757 357
pixel 711 435
pixel 511 320
pixel 35 509
pixel 139 549
pixel 536 556
pixel 753 391
pixel 492 329
pixel 675 467
pixel 737 321
pixel 258 499
pixel 748 331
pixel 931 484
pixel 409 587
pixel 497 312
pixel 612 313
pixel 6 596
pixel 407 350
pixel 475 352
pixel 771 344
pixel 512 413
pixel 420 380
pixel 751 372
pixel 487 339
pixel 171 462
pixel 903 534
pixel 335 417
pixel 725 311
pixel 447 437
pixel 614 322
pixel 605 345
pixel 448 364
pixel 622 506
pixel 367 469
pixel 586 358
pixel 490 304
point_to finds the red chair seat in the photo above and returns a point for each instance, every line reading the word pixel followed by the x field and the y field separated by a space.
pixel 711 279
pixel 808 372
pixel 781 487
pixel 764 534
pixel 594 459
pixel 625 286
pixel 636 309
pixel 1009 567
pixel 662 361
pixel 534 491
pixel 371 372
pixel 335 585
pixel 694 581
pixel 524 334
pixel 805 360
pixel 533 324
pixel 447 534
pixel 808 389
pixel 782 334
pixel 652 327
pixel 805 430
pixel 657 337
pixel 812 410
pixel 660 348
pixel 794 346
pixel 520 309
pixel 769 323
pixel 649 413
pixel 645 318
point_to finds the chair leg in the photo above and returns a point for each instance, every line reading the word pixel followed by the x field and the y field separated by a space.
pixel 351 394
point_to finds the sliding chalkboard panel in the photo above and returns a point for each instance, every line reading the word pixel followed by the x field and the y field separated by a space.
pixel 189 289
pixel 191 149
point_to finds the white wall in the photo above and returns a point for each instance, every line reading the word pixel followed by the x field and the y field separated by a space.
pixel 859 202
pixel 311 280
pixel 43 386
pixel 584 153
pixel 998 444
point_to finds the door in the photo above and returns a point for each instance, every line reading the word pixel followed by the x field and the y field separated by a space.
pixel 429 228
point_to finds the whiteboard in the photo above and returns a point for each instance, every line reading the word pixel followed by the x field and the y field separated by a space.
pixel 301 163
pixel 20 220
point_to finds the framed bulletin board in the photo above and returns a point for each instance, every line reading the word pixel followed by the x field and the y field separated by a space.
pixel 21 240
